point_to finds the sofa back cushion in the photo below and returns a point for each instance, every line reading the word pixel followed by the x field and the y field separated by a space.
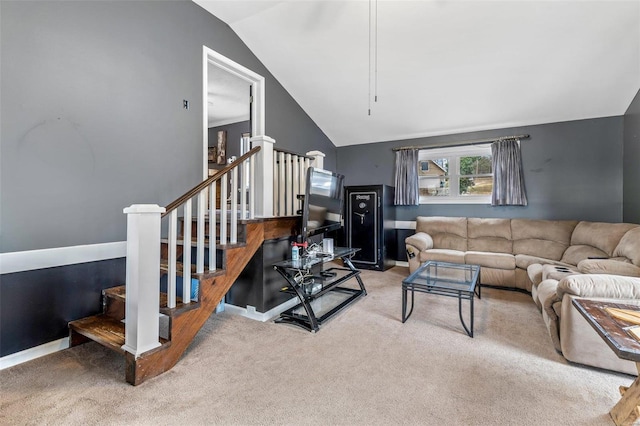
pixel 548 239
pixel 629 246
pixel 603 236
pixel 594 239
pixel 492 235
pixel 447 232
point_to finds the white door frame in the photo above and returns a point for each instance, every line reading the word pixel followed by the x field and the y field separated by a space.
pixel 257 89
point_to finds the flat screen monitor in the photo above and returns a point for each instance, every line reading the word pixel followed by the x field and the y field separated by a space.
pixel 322 209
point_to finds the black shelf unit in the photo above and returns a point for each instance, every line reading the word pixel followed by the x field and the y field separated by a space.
pixel 321 297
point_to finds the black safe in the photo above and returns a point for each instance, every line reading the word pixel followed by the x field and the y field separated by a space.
pixel 369 225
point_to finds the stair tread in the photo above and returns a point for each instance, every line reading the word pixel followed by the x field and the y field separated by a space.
pixel 103 329
pixel 164 268
pixel 120 292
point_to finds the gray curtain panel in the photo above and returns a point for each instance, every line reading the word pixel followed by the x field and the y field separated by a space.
pixel 406 177
pixel 508 177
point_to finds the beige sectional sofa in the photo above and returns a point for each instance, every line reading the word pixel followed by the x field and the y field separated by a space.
pixel 555 261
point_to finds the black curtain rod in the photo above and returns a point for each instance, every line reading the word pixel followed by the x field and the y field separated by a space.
pixel 465 143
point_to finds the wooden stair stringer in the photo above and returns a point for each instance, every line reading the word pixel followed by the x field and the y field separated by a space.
pixel 185 326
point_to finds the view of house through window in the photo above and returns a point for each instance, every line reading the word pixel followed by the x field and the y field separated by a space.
pixel 456 174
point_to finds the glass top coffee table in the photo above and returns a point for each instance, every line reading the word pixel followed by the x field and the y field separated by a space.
pixel 444 279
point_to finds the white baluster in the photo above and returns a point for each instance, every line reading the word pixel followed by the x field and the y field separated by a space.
pixel 296 184
pixel 276 193
pixel 252 187
pixel 223 209
pixel 172 259
pixel 186 253
pixel 202 210
pixel 244 169
pixel 288 167
pixel 212 225
pixel 281 184
pixel 233 237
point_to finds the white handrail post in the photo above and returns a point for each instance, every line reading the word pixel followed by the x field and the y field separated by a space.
pixel 264 175
pixel 317 159
pixel 142 278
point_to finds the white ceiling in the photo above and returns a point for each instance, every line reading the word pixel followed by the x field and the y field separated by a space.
pixel 228 97
pixel 444 67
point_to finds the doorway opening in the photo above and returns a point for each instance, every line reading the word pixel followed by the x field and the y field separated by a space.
pixel 225 84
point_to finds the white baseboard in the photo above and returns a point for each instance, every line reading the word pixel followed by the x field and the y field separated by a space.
pixel 251 313
pixel 33 353
pixel 402 263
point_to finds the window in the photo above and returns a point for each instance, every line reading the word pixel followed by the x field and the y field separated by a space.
pixel 455 175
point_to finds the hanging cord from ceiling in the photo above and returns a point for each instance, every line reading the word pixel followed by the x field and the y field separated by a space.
pixel 373 51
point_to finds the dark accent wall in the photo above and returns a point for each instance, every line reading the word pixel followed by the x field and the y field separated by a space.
pixel 92 117
pixel 573 170
pixel 234 134
pixel 37 305
pixel 631 162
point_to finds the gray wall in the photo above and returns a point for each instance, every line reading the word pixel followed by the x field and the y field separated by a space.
pixel 92 118
pixel 632 162
pixel 573 170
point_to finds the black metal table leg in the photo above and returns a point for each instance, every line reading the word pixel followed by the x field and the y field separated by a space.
pixel 347 261
pixel 464 325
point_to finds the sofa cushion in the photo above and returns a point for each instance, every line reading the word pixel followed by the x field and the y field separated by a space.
pixel 443 255
pixel 547 239
pixel 491 260
pixel 603 236
pixel 629 246
pixel 616 266
pixel 497 277
pixel 447 232
pixel 577 253
pixel 523 261
pixel 492 235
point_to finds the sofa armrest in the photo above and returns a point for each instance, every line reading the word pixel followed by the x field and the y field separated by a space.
pixel 415 244
pixel 608 266
pixel 600 285
pixel 420 240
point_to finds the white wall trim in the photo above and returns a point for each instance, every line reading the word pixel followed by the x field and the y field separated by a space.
pixel 33 353
pixel 405 224
pixel 251 313
pixel 30 260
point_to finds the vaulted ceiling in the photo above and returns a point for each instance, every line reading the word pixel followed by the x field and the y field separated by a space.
pixel 443 67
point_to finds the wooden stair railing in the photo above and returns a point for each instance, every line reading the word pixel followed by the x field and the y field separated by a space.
pixel 215 233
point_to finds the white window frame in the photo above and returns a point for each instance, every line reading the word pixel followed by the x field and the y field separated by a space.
pixel 453 154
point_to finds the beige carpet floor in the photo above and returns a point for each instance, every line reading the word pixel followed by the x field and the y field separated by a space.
pixel 363 368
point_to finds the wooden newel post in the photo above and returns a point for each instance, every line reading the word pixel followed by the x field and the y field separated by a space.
pixel 264 175
pixel 143 278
